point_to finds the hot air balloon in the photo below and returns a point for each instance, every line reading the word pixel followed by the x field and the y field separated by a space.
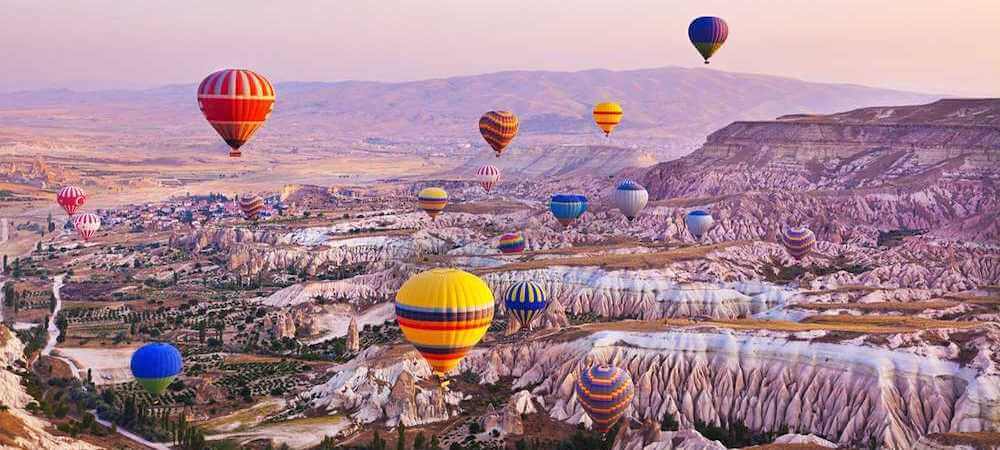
pixel 236 102
pixel 607 115
pixel 155 365
pixel 71 198
pixel 86 225
pixel 798 242
pixel 250 205
pixel 708 34
pixel 511 243
pixel 488 176
pixel 699 222
pixel 630 197
pixel 604 392
pixel 498 129
pixel 525 300
pixel 432 200
pixel 444 313
pixel 567 207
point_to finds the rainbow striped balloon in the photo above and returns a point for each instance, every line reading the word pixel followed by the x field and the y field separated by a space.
pixel 798 242
pixel 432 200
pixel 498 129
pixel 525 300
pixel 708 34
pixel 444 313
pixel 604 392
pixel 511 243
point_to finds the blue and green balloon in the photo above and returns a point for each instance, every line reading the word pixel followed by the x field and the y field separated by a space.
pixel 155 366
pixel 708 34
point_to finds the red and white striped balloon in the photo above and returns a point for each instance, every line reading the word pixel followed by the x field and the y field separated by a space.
pixel 71 198
pixel 488 176
pixel 86 225
pixel 236 102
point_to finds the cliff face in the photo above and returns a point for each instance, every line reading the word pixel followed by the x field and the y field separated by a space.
pixel 18 428
pixel 933 167
pixel 848 393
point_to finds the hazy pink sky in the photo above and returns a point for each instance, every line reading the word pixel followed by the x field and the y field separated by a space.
pixel 925 45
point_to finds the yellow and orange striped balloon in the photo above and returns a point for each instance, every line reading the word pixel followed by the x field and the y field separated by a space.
pixel 498 129
pixel 432 200
pixel 444 313
pixel 607 115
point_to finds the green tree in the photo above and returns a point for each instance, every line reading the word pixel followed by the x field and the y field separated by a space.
pixel 419 442
pixel 401 437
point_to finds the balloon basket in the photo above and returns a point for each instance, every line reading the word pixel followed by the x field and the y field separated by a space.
pixel 235 154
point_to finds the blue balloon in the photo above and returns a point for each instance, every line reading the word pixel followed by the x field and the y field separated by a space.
pixel 155 365
pixel 525 300
pixel 567 207
pixel 708 34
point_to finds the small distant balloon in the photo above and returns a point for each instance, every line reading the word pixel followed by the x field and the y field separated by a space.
pixel 236 102
pixel 86 225
pixel 250 206
pixel 798 242
pixel 630 198
pixel 699 222
pixel 498 129
pixel 567 207
pixel 432 200
pixel 155 365
pixel 607 116
pixel 708 34
pixel 488 176
pixel 71 198
pixel 511 243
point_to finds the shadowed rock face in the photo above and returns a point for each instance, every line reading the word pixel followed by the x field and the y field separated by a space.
pixel 920 171
pixel 843 392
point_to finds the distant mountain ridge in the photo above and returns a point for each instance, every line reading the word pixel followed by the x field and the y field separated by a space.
pixel 661 103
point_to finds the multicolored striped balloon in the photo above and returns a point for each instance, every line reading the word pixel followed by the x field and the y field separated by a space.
pixel 444 313
pixel 630 197
pixel 567 207
pixel 251 205
pixel 708 34
pixel 604 392
pixel 155 365
pixel 607 116
pixel 432 200
pixel 525 300
pixel 511 243
pixel 798 242
pixel 498 129
pixel 86 225
pixel 699 222
pixel 488 176
pixel 71 198
pixel 236 102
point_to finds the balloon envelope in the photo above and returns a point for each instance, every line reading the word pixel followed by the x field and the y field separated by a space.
pixel 155 366
pixel 604 392
pixel 498 129
pixel 525 300
pixel 488 176
pixel 699 222
pixel 432 200
pixel 86 225
pixel 567 207
pixel 71 198
pixel 444 313
pixel 251 205
pixel 630 198
pixel 511 243
pixel 798 242
pixel 707 34
pixel 236 102
pixel 607 116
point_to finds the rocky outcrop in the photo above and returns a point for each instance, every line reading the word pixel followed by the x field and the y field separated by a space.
pixel 353 338
pixel 649 437
pixel 809 439
pixel 847 392
pixel 20 429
